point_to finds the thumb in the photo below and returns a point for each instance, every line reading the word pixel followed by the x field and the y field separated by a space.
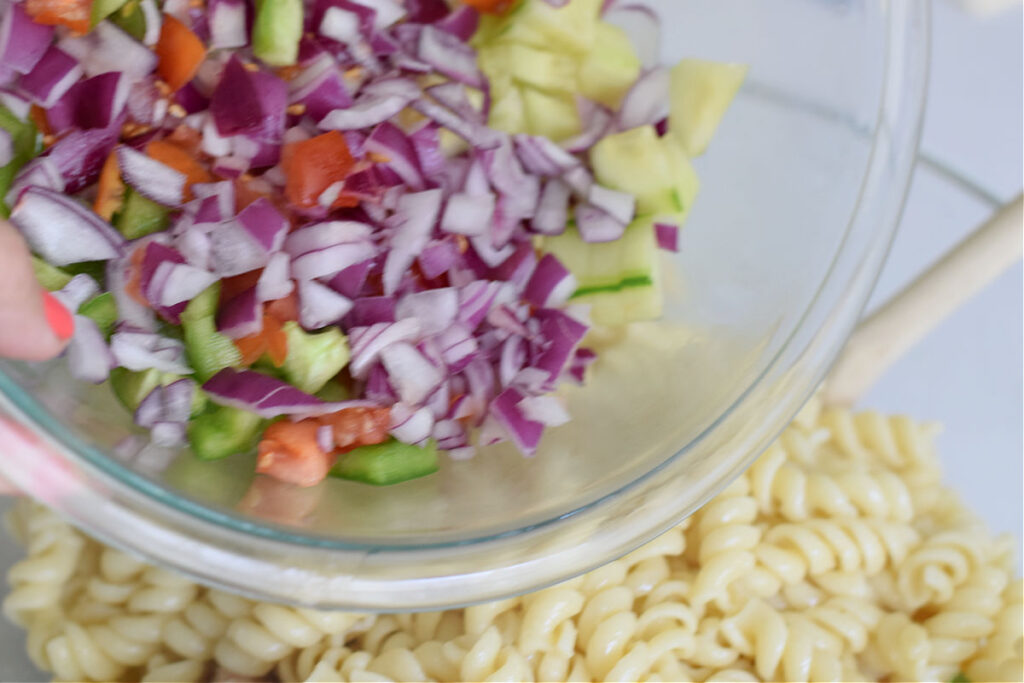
pixel 33 324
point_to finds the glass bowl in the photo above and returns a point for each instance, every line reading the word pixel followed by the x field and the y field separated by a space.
pixel 801 192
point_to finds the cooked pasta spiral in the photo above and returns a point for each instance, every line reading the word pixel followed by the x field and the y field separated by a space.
pixel 829 559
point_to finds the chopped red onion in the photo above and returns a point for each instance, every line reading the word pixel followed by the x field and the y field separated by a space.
pixel 547 410
pixel 40 172
pixel 22 41
pixel 154 22
pixel 17 105
pixel 647 101
pixel 552 213
pixel 77 291
pixel 275 280
pixel 269 397
pixel 80 154
pixel 477 135
pixel 618 205
pixel 386 12
pixel 151 178
pixel 411 425
pixel 129 310
pixel 458 346
pixel 468 214
pixel 52 76
pixel 437 258
pixel 228 24
pixel 667 236
pixel 321 88
pixel 249 103
pixel 551 284
pixel 108 48
pixel 418 213
pixel 541 156
pixel 596 121
pixel 89 358
pixel 331 260
pixel 373 106
pixel 435 309
pixel 596 225
pixel 524 432
pixel 241 316
pixel 367 342
pixel 475 301
pixel 349 282
pixel 233 250
pixel 413 376
pixel 518 267
pixel 320 306
pixel 98 101
pixel 581 360
pixel 641 24
pixel 389 141
pixel 148 351
pixel 371 310
pixel 563 333
pixel 449 56
pixel 63 231
pixel 265 224
pixel 169 404
pixel 453 96
pixel 341 25
pixel 323 235
pixel 461 23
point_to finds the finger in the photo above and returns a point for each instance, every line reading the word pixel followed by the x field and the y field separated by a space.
pixel 33 324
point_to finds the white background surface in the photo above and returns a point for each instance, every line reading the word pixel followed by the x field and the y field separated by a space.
pixel 967 374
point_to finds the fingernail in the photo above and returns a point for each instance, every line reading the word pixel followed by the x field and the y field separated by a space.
pixel 60 320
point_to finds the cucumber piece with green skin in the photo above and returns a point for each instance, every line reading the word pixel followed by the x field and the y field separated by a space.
pixel 387 463
pixel 208 350
pixel 277 30
pixel 101 9
pixel 130 387
pixel 24 145
pixel 700 92
pixel 102 309
pixel 313 359
pixel 139 216
pixel 608 72
pixel 221 431
pixel 50 277
pixel 620 280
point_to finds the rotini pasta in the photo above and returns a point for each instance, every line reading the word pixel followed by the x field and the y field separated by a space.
pixel 829 559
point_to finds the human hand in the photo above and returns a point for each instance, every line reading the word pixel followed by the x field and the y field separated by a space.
pixel 33 324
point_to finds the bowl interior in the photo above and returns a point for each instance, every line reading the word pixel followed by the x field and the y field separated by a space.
pixel 778 186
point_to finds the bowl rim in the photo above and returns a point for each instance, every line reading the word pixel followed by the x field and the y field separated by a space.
pixel 117 504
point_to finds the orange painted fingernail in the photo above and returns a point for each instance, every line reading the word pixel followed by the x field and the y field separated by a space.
pixel 60 320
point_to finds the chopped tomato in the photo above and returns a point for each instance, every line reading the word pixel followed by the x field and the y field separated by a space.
pixel 491 6
pixel 271 340
pixel 38 116
pixel 180 52
pixel 284 310
pixel 291 452
pixel 134 284
pixel 355 427
pixel 75 14
pixel 180 160
pixel 311 166
pixel 110 190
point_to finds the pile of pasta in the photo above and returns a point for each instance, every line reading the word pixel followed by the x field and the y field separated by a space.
pixel 837 556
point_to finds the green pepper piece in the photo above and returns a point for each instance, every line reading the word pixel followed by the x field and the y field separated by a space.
pixel 131 387
pixel 313 359
pixel 103 310
pixel 139 216
pixel 130 19
pixel 221 431
pixel 101 9
pixel 277 31
pixel 24 144
pixel 50 277
pixel 387 463
pixel 208 350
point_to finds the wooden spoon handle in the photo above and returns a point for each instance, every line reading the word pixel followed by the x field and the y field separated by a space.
pixel 907 317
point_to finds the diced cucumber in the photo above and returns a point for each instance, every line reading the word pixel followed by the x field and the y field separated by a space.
pixel 101 9
pixel 130 19
pixel 387 463
pixel 333 392
pixel 131 387
pixel 700 93
pixel 570 28
pixel 102 309
pixel 313 359
pixel 277 31
pixel 507 111
pixel 529 66
pixel 139 216
pixel 553 115
pixel 221 431
pixel 609 71
pixel 654 169
pixel 620 280
pixel 24 143
pixel 50 277
pixel 208 350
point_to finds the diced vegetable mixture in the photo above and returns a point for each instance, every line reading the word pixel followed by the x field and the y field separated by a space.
pixel 348 234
